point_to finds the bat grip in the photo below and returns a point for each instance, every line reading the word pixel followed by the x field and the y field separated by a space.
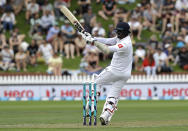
pixel 79 27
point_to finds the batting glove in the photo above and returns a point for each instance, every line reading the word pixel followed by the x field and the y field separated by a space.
pixel 88 38
pixel 87 33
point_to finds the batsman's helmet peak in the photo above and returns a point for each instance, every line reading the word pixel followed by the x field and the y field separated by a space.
pixel 123 26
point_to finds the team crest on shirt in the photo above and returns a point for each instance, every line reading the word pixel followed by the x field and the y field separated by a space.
pixel 120 45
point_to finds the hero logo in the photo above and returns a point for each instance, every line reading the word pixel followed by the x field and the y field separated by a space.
pixel 131 92
pixel 120 45
pixel 64 93
pixel 167 92
pixel 175 92
pixel 17 93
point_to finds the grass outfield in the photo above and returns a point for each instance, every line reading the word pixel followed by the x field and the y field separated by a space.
pixel 67 115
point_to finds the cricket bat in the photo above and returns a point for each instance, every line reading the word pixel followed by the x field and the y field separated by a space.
pixel 72 18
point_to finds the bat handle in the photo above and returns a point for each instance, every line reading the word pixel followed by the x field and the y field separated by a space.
pixel 79 27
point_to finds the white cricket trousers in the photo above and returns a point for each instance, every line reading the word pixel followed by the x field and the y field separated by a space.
pixel 116 81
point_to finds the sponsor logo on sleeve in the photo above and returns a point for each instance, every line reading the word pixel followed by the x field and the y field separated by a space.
pixel 120 45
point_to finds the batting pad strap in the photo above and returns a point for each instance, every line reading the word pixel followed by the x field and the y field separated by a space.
pixel 111 111
pixel 104 48
pixel 111 108
pixel 111 100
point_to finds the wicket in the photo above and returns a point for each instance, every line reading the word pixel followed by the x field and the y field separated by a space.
pixel 92 91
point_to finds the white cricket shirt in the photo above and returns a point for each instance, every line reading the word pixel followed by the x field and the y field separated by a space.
pixel 121 63
pixel 46 51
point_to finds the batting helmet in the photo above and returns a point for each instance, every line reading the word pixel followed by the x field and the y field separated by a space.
pixel 122 29
pixel 123 26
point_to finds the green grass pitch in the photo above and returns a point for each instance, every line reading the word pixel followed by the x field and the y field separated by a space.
pixel 67 115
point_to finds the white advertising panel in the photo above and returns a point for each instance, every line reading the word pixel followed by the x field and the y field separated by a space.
pixel 75 91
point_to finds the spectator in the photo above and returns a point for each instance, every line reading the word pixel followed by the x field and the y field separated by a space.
pixel 46 50
pixel 17 5
pixel 2 40
pixel 54 65
pixel 183 32
pixel 16 39
pixel 87 28
pixel 47 7
pixel 92 58
pixel 52 33
pixel 8 19
pixel 35 24
pixel 161 61
pixel 181 17
pixel 52 36
pixel 38 37
pixel 183 58
pixel 83 5
pixel 180 39
pixel 32 52
pixel 181 4
pixel 89 19
pixel 148 64
pixel 2 3
pixel 59 43
pixel 47 20
pixel 69 35
pixel 31 9
pixel 180 44
pixel 150 15
pixel 111 33
pixel 80 45
pixel 168 14
pixel 169 52
pixel 20 59
pixel 121 15
pixel 100 30
pixel 137 12
pixel 17 31
pixel 57 6
pixel 7 56
pixel 153 42
pixel 89 47
pixel 8 7
pixel 157 5
pixel 168 35
pixel 139 55
pixel 14 42
pixel 108 9
pixel 136 27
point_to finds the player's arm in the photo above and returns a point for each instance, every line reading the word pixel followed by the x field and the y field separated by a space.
pixel 108 41
pixel 107 49
pixel 104 48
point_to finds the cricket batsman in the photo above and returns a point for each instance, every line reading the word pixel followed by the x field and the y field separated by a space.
pixel 120 68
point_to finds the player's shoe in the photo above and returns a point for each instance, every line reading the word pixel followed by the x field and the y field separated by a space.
pixel 104 118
